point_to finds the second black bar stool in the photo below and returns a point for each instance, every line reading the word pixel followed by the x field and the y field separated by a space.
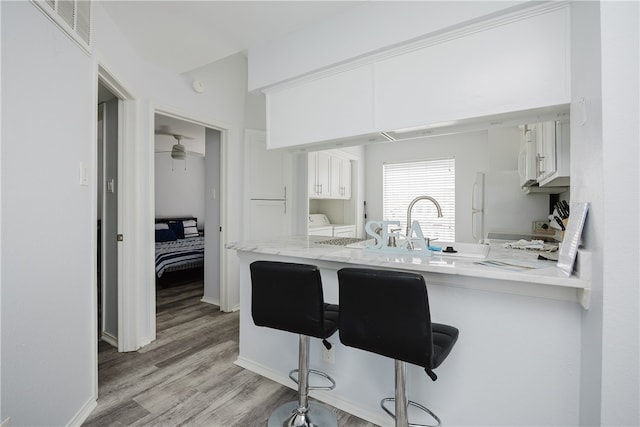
pixel 387 312
pixel 289 297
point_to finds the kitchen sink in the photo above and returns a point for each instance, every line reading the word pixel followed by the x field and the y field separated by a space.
pixel 463 250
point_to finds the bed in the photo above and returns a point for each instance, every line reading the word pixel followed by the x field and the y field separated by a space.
pixel 179 246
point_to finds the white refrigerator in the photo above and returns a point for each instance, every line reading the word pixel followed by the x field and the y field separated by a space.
pixel 499 205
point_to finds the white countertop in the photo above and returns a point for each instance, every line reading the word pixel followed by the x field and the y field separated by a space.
pixel 306 247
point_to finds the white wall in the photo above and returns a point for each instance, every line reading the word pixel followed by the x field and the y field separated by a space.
pixel 179 187
pixel 619 24
pixel 48 313
pixel 48 221
pixel 587 186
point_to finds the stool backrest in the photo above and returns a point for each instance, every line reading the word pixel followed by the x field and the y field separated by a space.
pixel 386 312
pixel 288 297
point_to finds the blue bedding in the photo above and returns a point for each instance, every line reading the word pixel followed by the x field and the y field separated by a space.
pixel 180 254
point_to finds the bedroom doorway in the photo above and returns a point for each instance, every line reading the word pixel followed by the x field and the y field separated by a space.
pixel 187 165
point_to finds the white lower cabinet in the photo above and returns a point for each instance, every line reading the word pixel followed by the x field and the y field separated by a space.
pixel 344 231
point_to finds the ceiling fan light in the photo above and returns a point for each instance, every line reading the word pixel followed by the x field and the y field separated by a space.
pixel 178 152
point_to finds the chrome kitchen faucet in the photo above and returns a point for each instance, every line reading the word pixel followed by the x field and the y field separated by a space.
pixel 413 202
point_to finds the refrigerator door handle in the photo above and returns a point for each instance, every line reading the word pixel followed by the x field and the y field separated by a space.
pixel 474 210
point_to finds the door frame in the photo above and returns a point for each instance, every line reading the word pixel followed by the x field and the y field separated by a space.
pixel 127 300
pixel 223 128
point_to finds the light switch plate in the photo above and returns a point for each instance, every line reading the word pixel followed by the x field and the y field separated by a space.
pixel 83 178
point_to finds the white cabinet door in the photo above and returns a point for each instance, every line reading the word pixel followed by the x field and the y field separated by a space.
pixel 527 157
pixel 553 155
pixel 324 174
pixel 312 174
pixel 545 149
pixel 512 66
pixel 336 181
pixel 319 179
pixel 323 109
pixel 268 176
pixel 345 179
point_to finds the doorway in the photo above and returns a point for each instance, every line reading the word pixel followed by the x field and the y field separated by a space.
pixel 187 171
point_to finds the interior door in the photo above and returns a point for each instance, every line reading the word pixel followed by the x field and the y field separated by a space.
pixel 109 237
pixel 268 189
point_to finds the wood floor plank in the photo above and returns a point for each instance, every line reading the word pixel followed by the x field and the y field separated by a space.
pixel 187 376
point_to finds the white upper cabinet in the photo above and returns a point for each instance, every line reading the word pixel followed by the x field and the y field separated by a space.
pixel 514 66
pixel 527 168
pixel 327 108
pixel 552 153
pixel 329 176
pixel 502 66
pixel 319 174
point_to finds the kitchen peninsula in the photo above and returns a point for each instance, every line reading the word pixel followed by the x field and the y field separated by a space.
pixel 516 362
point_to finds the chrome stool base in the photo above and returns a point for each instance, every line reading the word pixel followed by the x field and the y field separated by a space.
pixel 316 415
pixel 415 405
pixel 401 401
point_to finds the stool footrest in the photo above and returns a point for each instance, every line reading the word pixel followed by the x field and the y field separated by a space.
pixel 415 405
pixel 320 373
pixel 290 415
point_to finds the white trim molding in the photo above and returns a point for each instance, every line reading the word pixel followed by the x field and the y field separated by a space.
pixel 80 417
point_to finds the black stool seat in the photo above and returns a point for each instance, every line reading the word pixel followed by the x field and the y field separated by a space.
pixel 387 312
pixel 289 297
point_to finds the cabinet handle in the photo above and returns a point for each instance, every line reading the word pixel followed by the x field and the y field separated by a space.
pixel 539 161
pixel 285 199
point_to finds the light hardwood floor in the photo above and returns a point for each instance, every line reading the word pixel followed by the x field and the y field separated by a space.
pixel 187 376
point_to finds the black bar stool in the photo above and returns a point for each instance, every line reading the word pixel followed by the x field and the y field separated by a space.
pixel 387 312
pixel 289 297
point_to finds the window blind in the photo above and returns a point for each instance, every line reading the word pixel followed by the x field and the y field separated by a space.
pixel 403 182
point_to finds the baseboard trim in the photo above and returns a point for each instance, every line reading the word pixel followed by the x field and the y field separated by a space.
pixel 82 415
pixel 212 301
pixel 378 418
pixel 109 339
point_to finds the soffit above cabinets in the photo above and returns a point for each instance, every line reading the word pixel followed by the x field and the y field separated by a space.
pixel 473 79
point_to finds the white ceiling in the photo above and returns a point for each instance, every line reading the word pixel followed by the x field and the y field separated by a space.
pixel 185 35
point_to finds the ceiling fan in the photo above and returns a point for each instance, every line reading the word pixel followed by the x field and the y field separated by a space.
pixel 178 151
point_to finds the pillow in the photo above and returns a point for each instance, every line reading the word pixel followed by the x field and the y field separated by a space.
pixel 177 228
pixel 162 226
pixel 190 228
pixel 165 235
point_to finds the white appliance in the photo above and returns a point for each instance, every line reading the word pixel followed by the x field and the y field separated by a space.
pixel 319 225
pixel 500 206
